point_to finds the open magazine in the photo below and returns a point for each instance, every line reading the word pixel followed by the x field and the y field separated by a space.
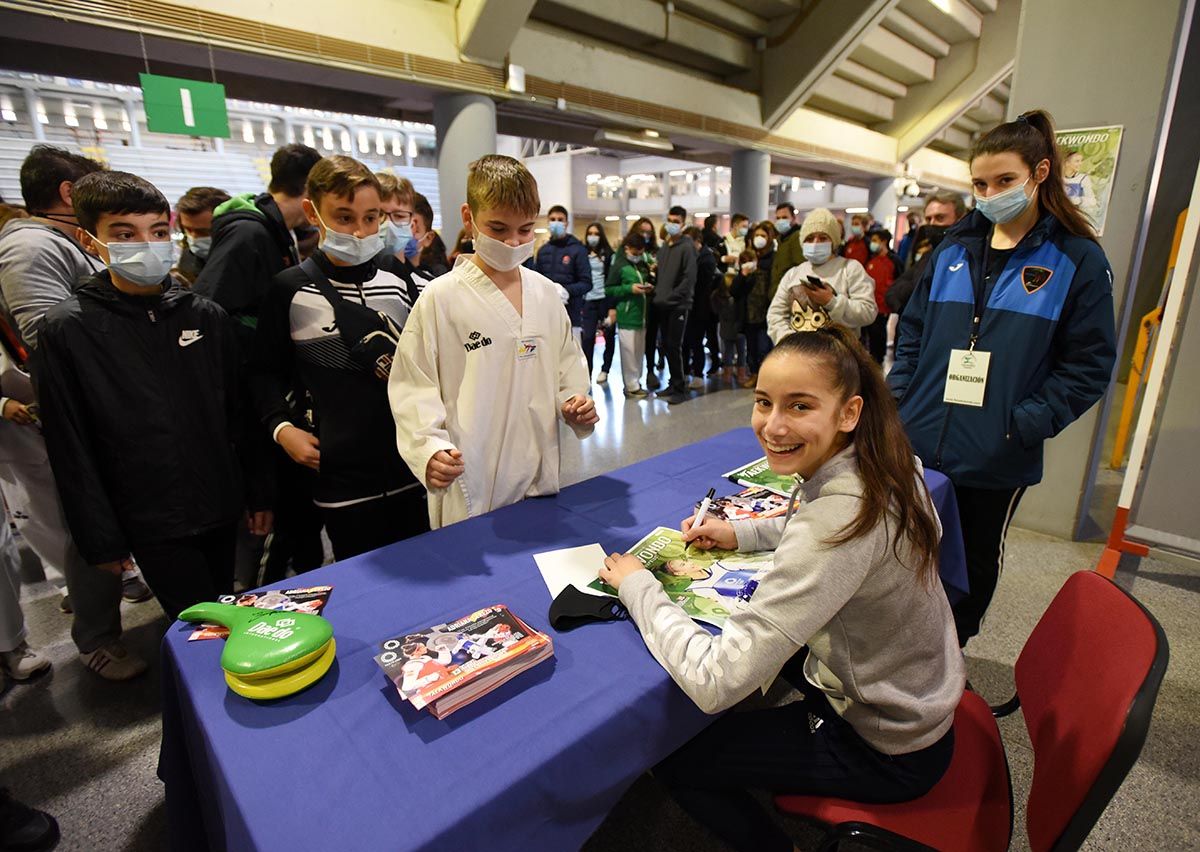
pixel 311 600
pixel 448 666
pixel 748 505
pixel 710 585
pixel 758 474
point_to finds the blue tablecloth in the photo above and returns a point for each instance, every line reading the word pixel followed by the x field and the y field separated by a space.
pixel 535 765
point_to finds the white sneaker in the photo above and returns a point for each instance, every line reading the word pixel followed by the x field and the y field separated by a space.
pixel 602 378
pixel 22 662
pixel 113 662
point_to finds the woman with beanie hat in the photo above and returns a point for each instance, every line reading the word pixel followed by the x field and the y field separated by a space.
pixel 824 288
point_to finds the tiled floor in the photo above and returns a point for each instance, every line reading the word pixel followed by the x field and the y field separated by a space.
pixel 86 750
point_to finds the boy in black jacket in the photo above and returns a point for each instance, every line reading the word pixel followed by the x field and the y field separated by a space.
pixel 333 322
pixel 136 378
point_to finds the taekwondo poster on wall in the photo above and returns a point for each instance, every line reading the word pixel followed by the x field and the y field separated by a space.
pixel 1089 158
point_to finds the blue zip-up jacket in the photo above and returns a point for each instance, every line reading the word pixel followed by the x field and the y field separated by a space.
pixel 1048 324
pixel 565 262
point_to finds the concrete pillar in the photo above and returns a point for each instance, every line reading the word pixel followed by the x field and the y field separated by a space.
pixel 881 198
pixel 39 132
pixel 466 130
pixel 1126 84
pixel 749 183
pixel 135 130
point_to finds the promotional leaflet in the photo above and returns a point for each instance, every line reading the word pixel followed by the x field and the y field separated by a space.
pixel 748 505
pixel 447 666
pixel 311 600
pixel 758 474
pixel 710 585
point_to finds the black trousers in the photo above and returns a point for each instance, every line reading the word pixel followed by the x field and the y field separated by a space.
pixel 803 748
pixel 693 342
pixel 594 314
pixel 362 527
pixel 875 338
pixel 672 322
pixel 713 336
pixel 758 344
pixel 296 539
pixel 651 336
pixel 985 514
pixel 191 570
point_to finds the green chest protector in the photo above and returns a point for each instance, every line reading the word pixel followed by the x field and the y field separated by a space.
pixel 269 654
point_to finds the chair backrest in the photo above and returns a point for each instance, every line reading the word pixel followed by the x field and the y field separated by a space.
pixel 1087 678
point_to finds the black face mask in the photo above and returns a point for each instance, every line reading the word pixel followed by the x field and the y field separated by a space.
pixel 933 233
pixel 573 608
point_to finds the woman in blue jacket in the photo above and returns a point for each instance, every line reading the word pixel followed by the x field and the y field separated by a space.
pixel 1007 339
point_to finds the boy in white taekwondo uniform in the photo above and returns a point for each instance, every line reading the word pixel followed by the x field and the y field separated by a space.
pixel 487 362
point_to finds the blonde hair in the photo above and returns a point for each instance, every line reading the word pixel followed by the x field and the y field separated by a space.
pixel 497 182
pixel 394 187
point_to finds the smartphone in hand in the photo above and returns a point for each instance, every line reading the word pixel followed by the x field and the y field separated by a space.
pixel 812 282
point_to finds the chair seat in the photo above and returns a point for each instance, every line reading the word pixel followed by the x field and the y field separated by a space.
pixel 970 809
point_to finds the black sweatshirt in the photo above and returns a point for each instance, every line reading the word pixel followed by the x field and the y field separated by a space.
pixel 137 397
pixel 297 336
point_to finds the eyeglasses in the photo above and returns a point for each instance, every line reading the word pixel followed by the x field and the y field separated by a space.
pixel 399 217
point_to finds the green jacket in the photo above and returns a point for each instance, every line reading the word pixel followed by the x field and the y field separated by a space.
pixel 789 253
pixel 631 306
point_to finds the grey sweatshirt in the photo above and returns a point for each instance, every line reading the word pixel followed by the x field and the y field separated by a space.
pixel 39 267
pixel 675 279
pixel 882 646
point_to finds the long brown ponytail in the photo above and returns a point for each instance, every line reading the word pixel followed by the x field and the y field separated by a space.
pixel 1031 136
pixel 891 487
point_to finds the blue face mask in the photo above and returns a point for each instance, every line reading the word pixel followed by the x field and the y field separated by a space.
pixel 783 226
pixel 673 229
pixel 742 231
pixel 817 253
pixel 876 248
pixel 557 230
pixel 396 237
pixel 143 263
pixel 856 230
pixel 1004 206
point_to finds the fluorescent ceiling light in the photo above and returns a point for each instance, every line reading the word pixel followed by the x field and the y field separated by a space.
pixel 853 210
pixel 612 218
pixel 648 139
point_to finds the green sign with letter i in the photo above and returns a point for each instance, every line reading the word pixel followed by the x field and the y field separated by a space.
pixel 189 107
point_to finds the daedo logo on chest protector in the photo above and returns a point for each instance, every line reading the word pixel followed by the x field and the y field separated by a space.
pixel 476 341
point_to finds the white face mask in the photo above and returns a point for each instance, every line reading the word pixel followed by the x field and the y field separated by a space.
pixel 347 247
pixel 760 242
pixel 500 255
pixel 200 246
pixel 143 263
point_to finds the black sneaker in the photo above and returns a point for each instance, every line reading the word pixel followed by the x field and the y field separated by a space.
pixel 25 829
pixel 64 606
pixel 653 382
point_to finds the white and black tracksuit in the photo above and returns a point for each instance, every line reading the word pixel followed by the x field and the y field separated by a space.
pixel 367 495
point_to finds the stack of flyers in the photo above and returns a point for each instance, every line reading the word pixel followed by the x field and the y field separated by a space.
pixel 448 666
pixel 310 600
pixel 748 505
pixel 710 585
pixel 758 474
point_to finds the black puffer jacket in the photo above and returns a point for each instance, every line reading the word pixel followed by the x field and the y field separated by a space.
pixel 137 397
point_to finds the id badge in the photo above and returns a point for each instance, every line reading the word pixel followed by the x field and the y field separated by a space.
pixel 527 348
pixel 966 377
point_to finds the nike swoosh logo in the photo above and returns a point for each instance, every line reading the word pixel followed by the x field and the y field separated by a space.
pixel 188 341
pixel 957 266
pixel 332 327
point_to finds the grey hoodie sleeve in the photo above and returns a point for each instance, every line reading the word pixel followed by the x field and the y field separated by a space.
pixel 808 585
pixel 35 275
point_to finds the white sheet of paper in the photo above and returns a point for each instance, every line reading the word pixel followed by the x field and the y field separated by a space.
pixel 572 566
pixel 966 377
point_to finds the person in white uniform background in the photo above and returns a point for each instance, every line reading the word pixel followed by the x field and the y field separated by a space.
pixel 487 362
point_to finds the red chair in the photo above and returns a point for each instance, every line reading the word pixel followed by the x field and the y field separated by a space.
pixel 1087 680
